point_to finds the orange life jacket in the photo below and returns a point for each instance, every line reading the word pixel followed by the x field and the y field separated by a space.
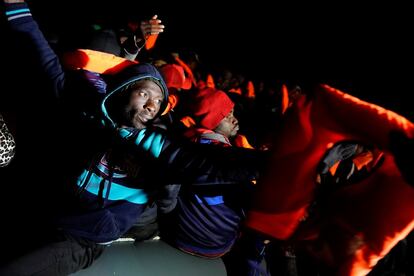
pixel 94 61
pixel 380 208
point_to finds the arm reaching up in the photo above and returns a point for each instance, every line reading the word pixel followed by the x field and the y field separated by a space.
pixel 35 45
pixel 149 32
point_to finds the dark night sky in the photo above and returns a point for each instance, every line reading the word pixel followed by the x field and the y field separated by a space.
pixel 363 48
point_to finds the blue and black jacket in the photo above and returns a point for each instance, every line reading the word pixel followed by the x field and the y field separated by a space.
pixel 207 224
pixel 114 182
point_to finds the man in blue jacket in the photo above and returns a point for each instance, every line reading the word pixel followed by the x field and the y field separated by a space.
pixel 115 169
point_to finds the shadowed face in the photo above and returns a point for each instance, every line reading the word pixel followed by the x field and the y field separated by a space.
pixel 144 103
pixel 229 126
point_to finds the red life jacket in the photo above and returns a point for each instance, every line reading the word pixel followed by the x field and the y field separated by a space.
pixel 94 61
pixel 380 209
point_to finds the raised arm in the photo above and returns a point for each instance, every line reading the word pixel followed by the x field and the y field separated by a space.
pixel 149 32
pixel 36 46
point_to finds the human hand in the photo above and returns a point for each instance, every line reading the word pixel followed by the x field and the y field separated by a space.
pixel 151 27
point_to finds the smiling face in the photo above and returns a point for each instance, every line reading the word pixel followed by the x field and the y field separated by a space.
pixel 144 103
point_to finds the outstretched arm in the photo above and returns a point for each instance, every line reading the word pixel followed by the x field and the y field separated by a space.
pixel 149 32
pixel 36 46
pixel 198 164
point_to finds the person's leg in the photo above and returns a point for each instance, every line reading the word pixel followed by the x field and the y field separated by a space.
pixel 279 260
pixel 61 257
pixel 247 256
pixel 146 226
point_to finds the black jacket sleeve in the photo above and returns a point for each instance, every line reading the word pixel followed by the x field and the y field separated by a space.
pixel 184 162
pixel 37 48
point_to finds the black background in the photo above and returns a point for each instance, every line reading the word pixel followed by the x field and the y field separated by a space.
pixel 364 48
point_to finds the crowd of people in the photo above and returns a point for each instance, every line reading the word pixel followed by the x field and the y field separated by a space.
pixel 109 145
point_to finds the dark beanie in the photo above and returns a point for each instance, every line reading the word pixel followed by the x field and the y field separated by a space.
pixel 105 41
pixel 210 107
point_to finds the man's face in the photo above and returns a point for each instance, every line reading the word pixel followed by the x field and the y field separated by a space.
pixel 144 103
pixel 229 126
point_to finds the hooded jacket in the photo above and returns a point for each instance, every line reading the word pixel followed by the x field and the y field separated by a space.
pixel 130 75
pixel 114 182
pixel 116 194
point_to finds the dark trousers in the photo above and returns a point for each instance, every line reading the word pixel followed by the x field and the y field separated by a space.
pixel 247 256
pixel 62 256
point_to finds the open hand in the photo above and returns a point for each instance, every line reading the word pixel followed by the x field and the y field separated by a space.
pixel 151 27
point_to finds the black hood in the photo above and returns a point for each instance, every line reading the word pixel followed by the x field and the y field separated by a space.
pixel 130 75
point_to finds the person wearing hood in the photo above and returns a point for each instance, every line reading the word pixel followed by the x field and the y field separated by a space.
pixel 111 172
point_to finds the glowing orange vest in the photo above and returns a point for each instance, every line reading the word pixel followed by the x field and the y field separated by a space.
pixel 103 63
pixel 94 61
pixel 250 90
pixel 380 208
pixel 150 43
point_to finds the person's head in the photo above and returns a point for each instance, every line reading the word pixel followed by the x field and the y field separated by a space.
pixel 105 41
pixel 174 77
pixel 136 97
pixel 214 110
pixel 228 126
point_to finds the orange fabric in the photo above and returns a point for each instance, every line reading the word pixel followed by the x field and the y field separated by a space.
pixel 236 91
pixel 210 81
pixel 188 121
pixel 285 99
pixel 281 222
pixel 210 106
pixel 334 167
pixel 241 141
pixel 94 61
pixel 190 76
pixel 201 85
pixel 250 90
pixel 382 209
pixel 150 43
pixel 167 109
pixel 173 75
pixel 172 102
pixel 194 133
pixel 363 159
pixel 188 83
pixel 381 212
